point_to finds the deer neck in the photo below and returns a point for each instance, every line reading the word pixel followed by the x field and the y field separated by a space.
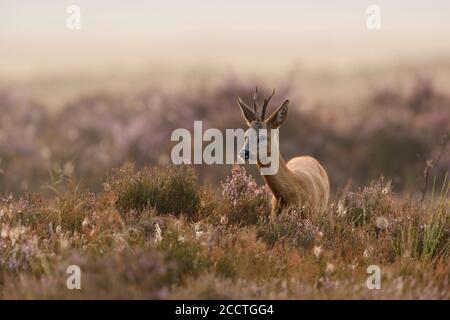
pixel 282 184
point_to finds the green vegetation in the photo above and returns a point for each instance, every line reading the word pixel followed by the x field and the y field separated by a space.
pixel 132 241
pixel 170 190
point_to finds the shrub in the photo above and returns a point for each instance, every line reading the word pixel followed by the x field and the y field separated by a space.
pixel 186 254
pixel 66 211
pixel 70 211
pixel 423 232
pixel 103 277
pixel 364 205
pixel 245 202
pixel 170 190
pixel 290 228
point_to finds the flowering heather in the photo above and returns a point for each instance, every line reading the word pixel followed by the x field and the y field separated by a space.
pixel 160 231
pixel 245 202
pixel 155 255
pixel 366 204
pixel 397 133
pixel 290 227
pixel 239 186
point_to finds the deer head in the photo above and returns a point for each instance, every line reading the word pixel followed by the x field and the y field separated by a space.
pixel 256 136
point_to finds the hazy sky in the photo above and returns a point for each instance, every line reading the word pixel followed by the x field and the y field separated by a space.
pixel 247 35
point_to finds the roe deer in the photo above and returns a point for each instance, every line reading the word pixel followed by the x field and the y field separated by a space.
pixel 302 181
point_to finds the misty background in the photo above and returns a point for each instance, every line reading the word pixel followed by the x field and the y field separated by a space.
pixel 365 102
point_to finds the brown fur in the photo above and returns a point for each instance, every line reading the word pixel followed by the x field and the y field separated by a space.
pixel 300 182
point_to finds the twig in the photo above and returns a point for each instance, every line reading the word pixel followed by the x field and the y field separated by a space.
pixel 429 165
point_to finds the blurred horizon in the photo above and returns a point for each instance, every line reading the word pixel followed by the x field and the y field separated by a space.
pixel 113 91
pixel 128 47
pixel 249 37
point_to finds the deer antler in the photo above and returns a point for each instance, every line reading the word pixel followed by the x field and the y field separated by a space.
pixel 255 98
pixel 266 103
pixel 261 116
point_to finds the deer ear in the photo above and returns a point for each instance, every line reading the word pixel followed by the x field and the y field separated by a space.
pixel 247 112
pixel 277 118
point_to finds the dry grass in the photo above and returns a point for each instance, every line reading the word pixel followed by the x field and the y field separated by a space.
pixel 174 232
pixel 143 250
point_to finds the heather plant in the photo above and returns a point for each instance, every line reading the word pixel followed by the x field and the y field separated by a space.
pixel 103 277
pixel 70 211
pixel 186 253
pixel 99 132
pixel 20 253
pixel 290 228
pixel 19 242
pixel 169 190
pixel 154 255
pixel 405 132
pixel 103 131
pixel 363 206
pixel 160 233
pixel 23 154
pixel 245 202
pixel 70 206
